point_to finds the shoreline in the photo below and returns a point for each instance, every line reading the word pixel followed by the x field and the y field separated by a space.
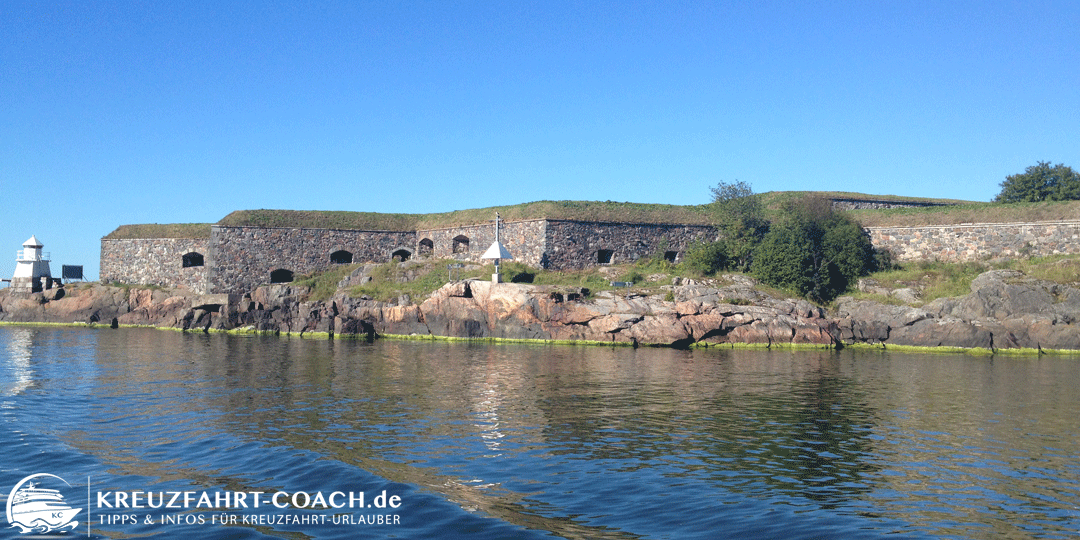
pixel 1006 313
pixel 1024 352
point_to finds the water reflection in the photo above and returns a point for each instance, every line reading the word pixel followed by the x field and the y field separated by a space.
pixel 601 443
pixel 15 372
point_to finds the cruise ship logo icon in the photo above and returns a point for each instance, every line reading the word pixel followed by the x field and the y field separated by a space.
pixel 37 509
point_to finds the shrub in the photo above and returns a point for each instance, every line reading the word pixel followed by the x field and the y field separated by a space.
pixel 705 259
pixel 739 216
pixel 813 251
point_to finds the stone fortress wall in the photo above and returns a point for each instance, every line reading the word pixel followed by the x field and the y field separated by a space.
pixel 573 245
pixel 238 259
pixel 167 262
pixel 242 258
pixel 978 241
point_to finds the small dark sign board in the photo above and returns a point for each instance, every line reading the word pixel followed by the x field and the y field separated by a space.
pixel 70 271
pixel 622 283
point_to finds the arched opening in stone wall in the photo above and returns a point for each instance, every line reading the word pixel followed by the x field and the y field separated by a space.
pixel 670 256
pixel 193 259
pixel 461 244
pixel 341 257
pixel 400 255
pixel 427 248
pixel 281 275
pixel 603 256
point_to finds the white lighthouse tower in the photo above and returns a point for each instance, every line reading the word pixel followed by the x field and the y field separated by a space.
pixel 32 268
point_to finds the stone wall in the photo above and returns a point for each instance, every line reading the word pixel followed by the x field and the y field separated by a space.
pixel 238 259
pixel 978 241
pixel 155 261
pixel 246 257
pixel 524 239
pixel 869 204
pixel 578 244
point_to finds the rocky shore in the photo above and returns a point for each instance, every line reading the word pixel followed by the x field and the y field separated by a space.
pixel 1005 310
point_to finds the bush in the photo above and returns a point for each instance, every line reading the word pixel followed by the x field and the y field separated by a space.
pixel 633 276
pixel 705 259
pixel 739 216
pixel 813 251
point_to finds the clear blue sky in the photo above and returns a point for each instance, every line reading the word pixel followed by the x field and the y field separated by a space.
pixel 124 112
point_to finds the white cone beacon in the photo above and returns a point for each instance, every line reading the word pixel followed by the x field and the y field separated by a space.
pixel 497 251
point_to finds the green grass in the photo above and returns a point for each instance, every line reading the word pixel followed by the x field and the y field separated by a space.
pixel 388 281
pixel 970 213
pixel 324 284
pixel 157 230
pixel 946 280
pixel 619 212
pixel 1064 269
pixel 419 279
pixel 934 279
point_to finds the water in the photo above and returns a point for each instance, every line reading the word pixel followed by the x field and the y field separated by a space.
pixel 518 441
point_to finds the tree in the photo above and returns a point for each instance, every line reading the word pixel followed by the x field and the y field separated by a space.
pixel 1041 183
pixel 740 219
pixel 813 250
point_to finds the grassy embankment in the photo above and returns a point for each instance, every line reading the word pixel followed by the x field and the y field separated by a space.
pixel 933 279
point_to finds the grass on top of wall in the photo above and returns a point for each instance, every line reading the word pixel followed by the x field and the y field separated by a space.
pixel 971 212
pixel 618 212
pixel 158 230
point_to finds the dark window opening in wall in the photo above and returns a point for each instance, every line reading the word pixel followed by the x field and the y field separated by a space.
pixel 461 244
pixel 603 256
pixel 341 257
pixel 670 256
pixel 400 255
pixel 427 247
pixel 193 259
pixel 281 275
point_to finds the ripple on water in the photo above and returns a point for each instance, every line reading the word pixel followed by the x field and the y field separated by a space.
pixel 495 441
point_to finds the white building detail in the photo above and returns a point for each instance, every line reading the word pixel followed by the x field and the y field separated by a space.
pixel 32 272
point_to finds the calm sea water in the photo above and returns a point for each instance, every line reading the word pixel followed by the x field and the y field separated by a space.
pixel 517 441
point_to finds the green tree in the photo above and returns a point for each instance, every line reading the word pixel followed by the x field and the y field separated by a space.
pixel 813 250
pixel 706 259
pixel 1041 183
pixel 739 216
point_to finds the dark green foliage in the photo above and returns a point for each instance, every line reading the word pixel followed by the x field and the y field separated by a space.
pixel 813 251
pixel 705 259
pixel 1041 183
pixel 739 216
pixel 633 276
pixel 515 272
pixel 783 260
pixel 883 261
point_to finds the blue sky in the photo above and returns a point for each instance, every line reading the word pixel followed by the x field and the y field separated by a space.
pixel 173 112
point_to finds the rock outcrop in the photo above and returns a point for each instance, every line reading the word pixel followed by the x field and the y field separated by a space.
pixel 1004 310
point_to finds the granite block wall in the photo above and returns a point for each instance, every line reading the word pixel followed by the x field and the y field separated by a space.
pixel 155 261
pixel 246 257
pixel 978 241
pixel 869 204
pixel 524 239
pixel 238 259
pixel 572 245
